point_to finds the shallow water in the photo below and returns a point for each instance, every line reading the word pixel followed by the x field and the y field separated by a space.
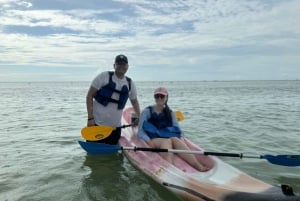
pixel 40 125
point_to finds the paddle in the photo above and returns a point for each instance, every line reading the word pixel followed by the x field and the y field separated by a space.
pixel 100 148
pixel 179 115
pixel 95 133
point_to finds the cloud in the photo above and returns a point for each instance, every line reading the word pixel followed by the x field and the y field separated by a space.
pixel 7 4
pixel 196 35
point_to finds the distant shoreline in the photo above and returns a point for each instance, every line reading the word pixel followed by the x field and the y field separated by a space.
pixel 157 81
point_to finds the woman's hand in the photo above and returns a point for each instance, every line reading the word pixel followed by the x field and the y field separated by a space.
pixel 150 143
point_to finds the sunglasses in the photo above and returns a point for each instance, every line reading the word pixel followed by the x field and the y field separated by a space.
pixel 156 96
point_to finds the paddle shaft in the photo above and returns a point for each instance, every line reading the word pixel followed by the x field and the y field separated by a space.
pixel 100 148
pixel 188 152
pixel 124 126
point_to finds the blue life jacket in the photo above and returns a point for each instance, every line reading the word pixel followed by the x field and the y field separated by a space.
pixel 104 94
pixel 158 126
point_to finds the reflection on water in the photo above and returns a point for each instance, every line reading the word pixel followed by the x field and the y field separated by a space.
pixel 105 179
pixel 113 178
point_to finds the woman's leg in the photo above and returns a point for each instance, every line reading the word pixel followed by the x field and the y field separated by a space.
pixel 190 158
pixel 164 143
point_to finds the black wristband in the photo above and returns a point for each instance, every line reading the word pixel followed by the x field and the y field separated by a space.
pixel 90 118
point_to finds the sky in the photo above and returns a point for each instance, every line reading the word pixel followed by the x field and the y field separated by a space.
pixel 171 40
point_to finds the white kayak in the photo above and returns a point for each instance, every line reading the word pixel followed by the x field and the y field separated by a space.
pixel 222 182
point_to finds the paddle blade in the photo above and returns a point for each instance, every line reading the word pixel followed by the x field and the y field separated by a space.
pixel 99 148
pixel 95 133
pixel 285 160
pixel 179 115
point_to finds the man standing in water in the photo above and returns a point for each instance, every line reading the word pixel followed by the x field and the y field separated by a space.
pixel 107 97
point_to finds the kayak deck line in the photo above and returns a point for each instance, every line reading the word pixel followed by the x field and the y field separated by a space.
pixel 190 191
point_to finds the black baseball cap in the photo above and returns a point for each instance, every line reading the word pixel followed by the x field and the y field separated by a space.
pixel 121 59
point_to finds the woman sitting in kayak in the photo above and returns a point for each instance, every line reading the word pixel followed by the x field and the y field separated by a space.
pixel 158 126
